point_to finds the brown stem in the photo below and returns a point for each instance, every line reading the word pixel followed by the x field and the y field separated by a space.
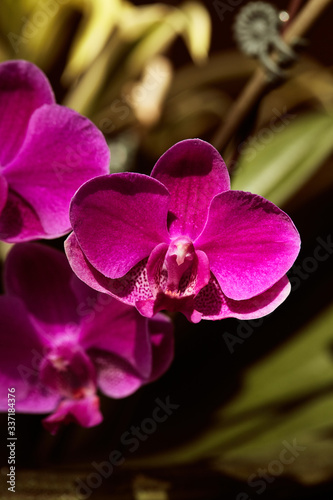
pixel 258 83
pixel 292 9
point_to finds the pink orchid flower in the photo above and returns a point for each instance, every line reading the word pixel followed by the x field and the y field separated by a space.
pixel 181 240
pixel 61 341
pixel 46 152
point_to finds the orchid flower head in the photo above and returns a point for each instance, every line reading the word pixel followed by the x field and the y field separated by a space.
pixel 61 341
pixel 46 152
pixel 182 240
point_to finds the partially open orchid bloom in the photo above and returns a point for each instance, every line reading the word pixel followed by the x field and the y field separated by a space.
pixel 61 340
pixel 181 240
pixel 46 152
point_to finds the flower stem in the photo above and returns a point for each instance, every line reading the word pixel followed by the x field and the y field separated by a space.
pixel 259 81
pixel 292 9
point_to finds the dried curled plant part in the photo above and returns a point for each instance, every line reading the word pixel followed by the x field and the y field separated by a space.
pixel 257 34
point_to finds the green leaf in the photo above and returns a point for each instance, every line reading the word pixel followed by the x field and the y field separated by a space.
pixel 99 19
pixel 284 155
pixel 285 396
pixel 198 31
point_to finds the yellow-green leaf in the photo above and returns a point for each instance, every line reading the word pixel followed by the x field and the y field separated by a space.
pixel 198 30
pixel 282 157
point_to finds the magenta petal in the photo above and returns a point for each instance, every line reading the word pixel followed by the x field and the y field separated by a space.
pixel 40 276
pixel 23 89
pixel 118 220
pixel 83 411
pixel 18 221
pixel 165 302
pixel 116 377
pixel 154 268
pixel 82 268
pixel 203 271
pixel 118 329
pixel 37 400
pixel 193 172
pixel 147 307
pixel 161 335
pixel 250 243
pixel 21 350
pixel 60 152
pixel 3 193
pixel 132 287
pixel 213 304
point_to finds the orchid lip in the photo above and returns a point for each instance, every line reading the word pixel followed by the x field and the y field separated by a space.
pixel 68 370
